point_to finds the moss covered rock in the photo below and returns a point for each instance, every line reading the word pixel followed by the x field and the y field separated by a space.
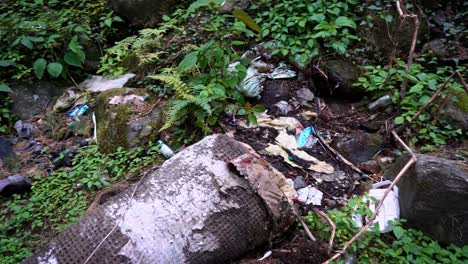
pixel 127 124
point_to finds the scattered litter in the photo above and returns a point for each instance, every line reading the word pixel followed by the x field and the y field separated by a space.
pixel 305 140
pixel 65 101
pixel 77 111
pixel 289 142
pixel 280 108
pixel 309 195
pixel 14 184
pixel 23 129
pixel 289 123
pixel 308 115
pixel 381 103
pixel 127 99
pixel 299 182
pixel 165 150
pixel 95 128
pixel 390 210
pixel 282 71
pixel 101 83
pixel 267 254
pixel 252 85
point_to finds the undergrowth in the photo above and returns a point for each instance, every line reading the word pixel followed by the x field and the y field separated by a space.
pixel 28 221
pixel 403 245
pixel 430 128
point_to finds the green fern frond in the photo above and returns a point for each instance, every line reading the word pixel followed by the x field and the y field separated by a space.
pixel 181 108
pixel 181 88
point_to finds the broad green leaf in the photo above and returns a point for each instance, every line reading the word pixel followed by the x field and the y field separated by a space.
pixel 54 69
pixel 108 22
pixel 5 88
pixel 39 67
pixel 344 22
pixel 416 89
pixel 6 63
pixel 398 231
pixel 399 120
pixel 246 19
pixel 339 46
pixel 74 45
pixel 189 61
pixel 27 43
pixel 74 59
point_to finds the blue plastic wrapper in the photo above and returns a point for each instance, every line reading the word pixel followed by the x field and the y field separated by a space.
pixel 304 136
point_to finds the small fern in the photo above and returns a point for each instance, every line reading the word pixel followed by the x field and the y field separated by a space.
pixel 181 89
pixel 181 108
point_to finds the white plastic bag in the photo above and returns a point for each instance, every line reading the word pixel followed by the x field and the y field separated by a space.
pixel 390 210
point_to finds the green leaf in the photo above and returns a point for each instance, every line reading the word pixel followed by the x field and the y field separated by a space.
pixel 344 22
pixel 74 45
pixel 39 67
pixel 399 120
pixel 27 43
pixel 189 61
pixel 54 69
pixel 74 59
pixel 246 19
pixel 6 63
pixel 5 88
pixel 108 22
pixel 339 46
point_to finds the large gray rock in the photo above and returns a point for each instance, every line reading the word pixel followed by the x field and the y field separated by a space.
pixel 31 98
pixel 194 209
pixel 433 197
pixel 143 13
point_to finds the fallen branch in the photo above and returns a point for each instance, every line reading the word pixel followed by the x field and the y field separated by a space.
pixel 333 226
pixel 403 16
pixel 379 205
pixel 462 81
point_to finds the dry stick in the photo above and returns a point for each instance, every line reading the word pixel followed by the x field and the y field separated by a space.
pixel 333 226
pixel 433 97
pixel 462 81
pixel 377 208
pixel 356 169
pixel 413 44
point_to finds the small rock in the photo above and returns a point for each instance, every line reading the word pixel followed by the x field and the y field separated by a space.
pixel 24 130
pixel 15 184
pixel 359 146
pixel 337 175
pixel 304 95
pixel 64 102
pixel 127 99
pixel 6 150
pixel 299 182
pixel 380 104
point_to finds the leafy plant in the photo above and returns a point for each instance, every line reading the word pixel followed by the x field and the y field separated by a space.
pixel 39 37
pixel 57 201
pixel 401 246
pixel 6 115
pixel 303 29
pixel 422 83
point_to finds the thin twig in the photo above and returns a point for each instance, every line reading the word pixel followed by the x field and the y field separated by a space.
pixel 433 97
pixel 117 222
pixel 462 81
pixel 151 110
pixel 333 226
pixel 306 228
pixel 379 205
pixel 356 169
pixel 403 16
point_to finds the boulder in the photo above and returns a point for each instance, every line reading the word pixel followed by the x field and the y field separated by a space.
pixel 125 119
pixel 341 76
pixel 456 114
pixel 143 13
pixel 30 99
pixel 210 203
pixel 359 146
pixel 433 195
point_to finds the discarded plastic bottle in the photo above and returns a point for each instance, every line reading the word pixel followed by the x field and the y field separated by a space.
pixel 78 111
pixel 380 103
pixel 166 151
